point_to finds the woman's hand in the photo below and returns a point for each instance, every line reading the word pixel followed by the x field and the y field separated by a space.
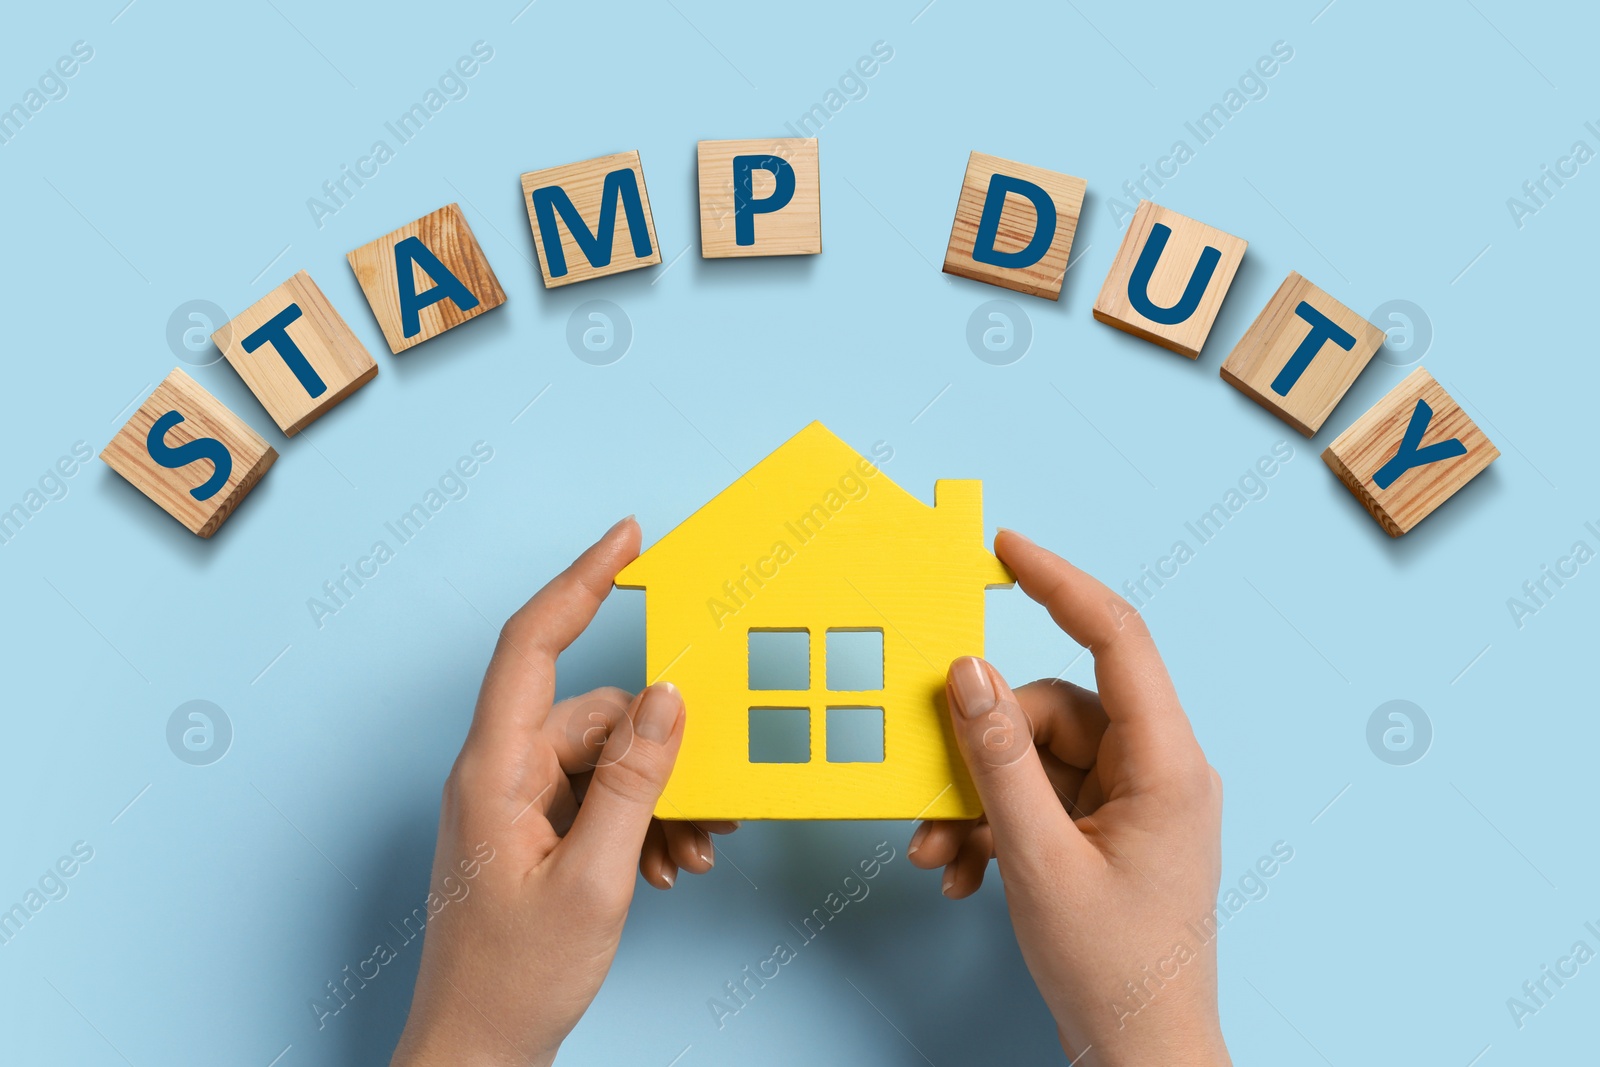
pixel 1106 821
pixel 545 816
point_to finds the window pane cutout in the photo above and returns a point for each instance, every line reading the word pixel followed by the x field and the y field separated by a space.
pixel 780 659
pixel 855 660
pixel 855 735
pixel 780 735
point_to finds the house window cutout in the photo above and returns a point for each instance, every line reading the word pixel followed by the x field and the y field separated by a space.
pixel 780 735
pixel 855 660
pixel 780 659
pixel 855 735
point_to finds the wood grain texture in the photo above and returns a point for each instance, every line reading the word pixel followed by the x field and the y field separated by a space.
pixel 446 234
pixel 584 182
pixel 793 230
pixel 1018 221
pixel 323 338
pixel 1274 338
pixel 816 537
pixel 1373 439
pixel 1170 278
pixel 203 416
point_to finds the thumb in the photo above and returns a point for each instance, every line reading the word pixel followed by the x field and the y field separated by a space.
pixel 996 740
pixel 633 768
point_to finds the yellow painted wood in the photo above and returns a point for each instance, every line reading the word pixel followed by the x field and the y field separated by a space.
pixel 817 537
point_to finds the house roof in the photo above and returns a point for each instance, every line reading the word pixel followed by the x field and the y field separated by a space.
pixel 813 468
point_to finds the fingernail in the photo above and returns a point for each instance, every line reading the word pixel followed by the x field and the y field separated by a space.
pixel 1024 538
pixel 658 711
pixel 705 856
pixel 949 882
pixel 618 525
pixel 670 877
pixel 917 839
pixel 970 687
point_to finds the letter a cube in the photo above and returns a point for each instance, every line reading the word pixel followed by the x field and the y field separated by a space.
pixel 427 277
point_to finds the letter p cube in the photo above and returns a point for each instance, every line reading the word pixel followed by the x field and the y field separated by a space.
pixel 760 198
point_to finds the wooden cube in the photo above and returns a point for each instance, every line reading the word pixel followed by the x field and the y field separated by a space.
pixel 1409 453
pixel 448 279
pixel 776 209
pixel 190 454
pixel 1168 280
pixel 1302 354
pixel 295 353
pixel 997 235
pixel 590 219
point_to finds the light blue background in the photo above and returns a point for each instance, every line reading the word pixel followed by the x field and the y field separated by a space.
pixel 1379 164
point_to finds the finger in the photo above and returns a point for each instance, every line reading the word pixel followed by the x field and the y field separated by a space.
pixel 519 684
pixel 578 728
pixel 654 862
pixel 965 874
pixel 1024 813
pixel 936 842
pixel 1067 720
pixel 719 826
pixel 689 847
pixel 560 807
pixel 1135 690
pixel 1067 780
pixel 1090 795
pixel 610 829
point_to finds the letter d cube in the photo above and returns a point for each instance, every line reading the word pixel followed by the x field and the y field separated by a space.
pixel 1014 226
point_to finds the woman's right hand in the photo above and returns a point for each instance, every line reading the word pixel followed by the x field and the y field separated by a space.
pixel 1106 821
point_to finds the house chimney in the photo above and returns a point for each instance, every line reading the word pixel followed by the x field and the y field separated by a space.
pixel 959 501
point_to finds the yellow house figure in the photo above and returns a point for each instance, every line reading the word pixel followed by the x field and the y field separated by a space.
pixel 809 614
